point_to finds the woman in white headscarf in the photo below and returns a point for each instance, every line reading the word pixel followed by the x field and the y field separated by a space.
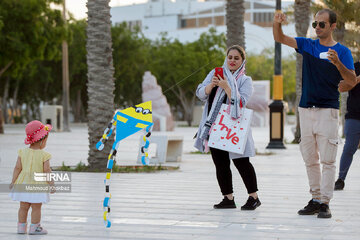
pixel 234 89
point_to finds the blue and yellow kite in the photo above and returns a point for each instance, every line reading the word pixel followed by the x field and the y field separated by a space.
pixel 127 122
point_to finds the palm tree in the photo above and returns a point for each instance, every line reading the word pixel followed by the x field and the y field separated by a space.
pixel 235 23
pixel 302 20
pixel 100 84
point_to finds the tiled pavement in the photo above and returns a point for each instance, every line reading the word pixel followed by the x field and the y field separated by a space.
pixel 178 204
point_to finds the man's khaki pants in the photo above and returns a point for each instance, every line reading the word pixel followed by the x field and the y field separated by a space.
pixel 319 135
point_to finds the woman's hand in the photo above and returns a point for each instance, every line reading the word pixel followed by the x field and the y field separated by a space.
pixel 215 81
pixel 210 86
pixel 11 186
pixel 223 83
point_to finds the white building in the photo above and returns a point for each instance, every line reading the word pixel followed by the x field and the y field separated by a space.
pixel 187 19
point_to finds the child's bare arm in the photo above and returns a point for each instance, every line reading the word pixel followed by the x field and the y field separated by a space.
pixel 47 169
pixel 16 172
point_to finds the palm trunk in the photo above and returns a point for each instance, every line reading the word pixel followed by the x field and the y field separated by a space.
pixel 339 35
pixel 100 84
pixel 302 20
pixel 235 23
pixel 343 107
pixel 299 59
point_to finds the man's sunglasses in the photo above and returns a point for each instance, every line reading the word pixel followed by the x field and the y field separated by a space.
pixel 321 24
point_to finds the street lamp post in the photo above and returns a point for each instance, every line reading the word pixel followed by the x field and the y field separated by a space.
pixel 277 106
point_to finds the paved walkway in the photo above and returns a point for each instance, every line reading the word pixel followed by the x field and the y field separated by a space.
pixel 178 204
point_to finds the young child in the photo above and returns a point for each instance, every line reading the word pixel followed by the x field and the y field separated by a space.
pixel 31 160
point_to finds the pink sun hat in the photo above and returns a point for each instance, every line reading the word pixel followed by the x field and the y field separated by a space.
pixel 35 131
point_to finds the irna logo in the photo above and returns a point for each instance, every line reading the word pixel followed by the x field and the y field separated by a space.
pixel 48 177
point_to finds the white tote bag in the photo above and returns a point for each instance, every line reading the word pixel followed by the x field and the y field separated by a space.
pixel 230 134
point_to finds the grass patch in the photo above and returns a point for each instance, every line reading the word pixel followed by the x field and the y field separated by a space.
pixel 266 153
pixel 186 125
pixel 198 152
pixel 82 167
pixel 286 141
pixel 295 142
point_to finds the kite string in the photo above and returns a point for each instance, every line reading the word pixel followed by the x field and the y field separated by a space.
pixel 193 73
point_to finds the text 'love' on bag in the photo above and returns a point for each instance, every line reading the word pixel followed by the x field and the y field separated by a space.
pixel 230 134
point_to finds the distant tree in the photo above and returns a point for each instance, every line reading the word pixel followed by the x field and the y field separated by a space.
pixel 179 67
pixel 352 40
pixel 235 32
pixel 100 78
pixel 1 23
pixel 78 69
pixel 266 60
pixel 131 59
pixel 39 82
pixel 30 31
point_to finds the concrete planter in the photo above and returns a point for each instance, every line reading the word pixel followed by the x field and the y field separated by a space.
pixel 290 119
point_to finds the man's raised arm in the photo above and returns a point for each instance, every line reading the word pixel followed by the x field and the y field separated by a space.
pixel 279 36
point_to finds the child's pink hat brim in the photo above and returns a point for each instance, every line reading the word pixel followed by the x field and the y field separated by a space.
pixel 35 131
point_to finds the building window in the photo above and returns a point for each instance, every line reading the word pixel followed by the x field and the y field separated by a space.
pixel 204 22
pixel 188 23
pixel 134 24
pixel 219 9
pixel 263 19
pixel 219 21
pixel 183 23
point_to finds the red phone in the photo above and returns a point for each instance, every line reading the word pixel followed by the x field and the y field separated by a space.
pixel 219 72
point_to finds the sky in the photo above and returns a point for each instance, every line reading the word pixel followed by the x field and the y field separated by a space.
pixel 78 7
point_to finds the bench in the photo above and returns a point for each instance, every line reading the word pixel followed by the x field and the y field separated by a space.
pixel 168 149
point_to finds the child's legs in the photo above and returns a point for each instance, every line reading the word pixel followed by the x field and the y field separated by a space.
pixel 36 213
pixel 23 211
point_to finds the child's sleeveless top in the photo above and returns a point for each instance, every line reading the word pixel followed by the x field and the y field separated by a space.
pixel 32 161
